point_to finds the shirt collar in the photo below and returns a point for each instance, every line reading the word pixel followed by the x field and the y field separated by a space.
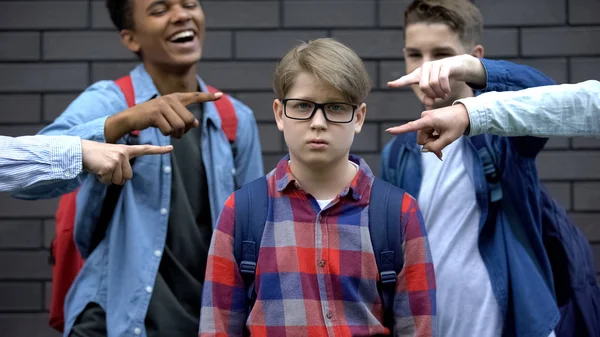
pixel 356 190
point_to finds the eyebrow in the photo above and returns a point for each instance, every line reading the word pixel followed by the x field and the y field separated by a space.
pixel 447 50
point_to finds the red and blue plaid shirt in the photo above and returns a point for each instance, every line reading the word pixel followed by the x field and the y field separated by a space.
pixel 316 273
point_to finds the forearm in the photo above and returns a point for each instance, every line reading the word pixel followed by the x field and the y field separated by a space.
pixel 34 160
pixel 560 110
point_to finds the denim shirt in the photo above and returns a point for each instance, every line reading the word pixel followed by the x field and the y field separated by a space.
pixel 518 268
pixel 557 110
pixel 119 274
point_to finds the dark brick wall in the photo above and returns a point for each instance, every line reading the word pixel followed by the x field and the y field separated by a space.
pixel 51 50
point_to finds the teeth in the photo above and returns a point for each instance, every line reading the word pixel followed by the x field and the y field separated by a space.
pixel 187 33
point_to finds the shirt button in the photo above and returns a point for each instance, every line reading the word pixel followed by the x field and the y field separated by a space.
pixel 329 315
pixel 137 331
pixel 233 171
pixel 148 289
pixel 322 263
pixel 157 253
pixel 67 173
pixel 163 211
pixel 167 169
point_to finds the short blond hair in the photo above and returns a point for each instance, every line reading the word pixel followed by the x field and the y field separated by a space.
pixel 330 62
pixel 462 16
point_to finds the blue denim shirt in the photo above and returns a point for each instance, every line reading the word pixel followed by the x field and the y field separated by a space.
pixel 519 269
pixel 119 274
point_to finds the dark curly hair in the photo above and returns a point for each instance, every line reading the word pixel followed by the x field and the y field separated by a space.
pixel 121 13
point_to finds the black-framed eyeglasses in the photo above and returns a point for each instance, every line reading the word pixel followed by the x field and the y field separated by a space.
pixel 335 112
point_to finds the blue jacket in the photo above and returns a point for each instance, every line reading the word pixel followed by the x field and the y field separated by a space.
pixel 514 256
pixel 119 274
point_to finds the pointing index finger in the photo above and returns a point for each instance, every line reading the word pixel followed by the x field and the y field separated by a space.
pixel 412 78
pixel 187 98
pixel 141 150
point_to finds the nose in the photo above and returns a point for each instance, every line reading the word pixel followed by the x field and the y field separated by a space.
pixel 180 14
pixel 318 121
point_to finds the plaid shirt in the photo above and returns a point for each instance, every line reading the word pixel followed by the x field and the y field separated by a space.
pixel 316 272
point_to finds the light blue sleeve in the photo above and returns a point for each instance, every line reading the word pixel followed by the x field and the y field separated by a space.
pixel 36 160
pixel 85 118
pixel 557 110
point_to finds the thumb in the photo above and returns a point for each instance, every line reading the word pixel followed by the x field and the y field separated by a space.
pixel 142 150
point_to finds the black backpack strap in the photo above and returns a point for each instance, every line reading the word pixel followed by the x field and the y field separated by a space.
pixel 110 202
pixel 385 227
pixel 251 208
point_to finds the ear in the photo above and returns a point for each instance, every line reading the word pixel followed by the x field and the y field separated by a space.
pixel 128 40
pixel 477 51
pixel 359 117
pixel 278 112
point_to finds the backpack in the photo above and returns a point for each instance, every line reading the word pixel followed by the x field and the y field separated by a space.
pixel 568 250
pixel 253 205
pixel 65 259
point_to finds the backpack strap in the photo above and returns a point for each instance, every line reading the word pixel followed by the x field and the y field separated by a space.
pixel 251 208
pixel 114 191
pixel 226 111
pixel 488 158
pixel 394 162
pixel 385 227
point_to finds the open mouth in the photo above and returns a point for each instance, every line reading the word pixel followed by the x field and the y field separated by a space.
pixel 183 37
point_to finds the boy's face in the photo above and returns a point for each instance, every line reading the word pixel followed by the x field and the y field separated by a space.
pixel 317 141
pixel 429 42
pixel 167 32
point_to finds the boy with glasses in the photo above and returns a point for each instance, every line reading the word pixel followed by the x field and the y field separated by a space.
pixel 316 271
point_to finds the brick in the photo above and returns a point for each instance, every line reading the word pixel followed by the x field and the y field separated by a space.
pixel 13 208
pixel 271 139
pixel 51 77
pixel 560 41
pixel 19 130
pixel 393 106
pixel 561 192
pixel 331 14
pixel 271 44
pixel 586 143
pixel 556 68
pixel 20 233
pixel 43 14
pixel 389 71
pixel 586 196
pixel 373 43
pixel 584 11
pixel 573 165
pixel 20 109
pixel 19 46
pixel 30 265
pixel 26 325
pixel 217 45
pixel 241 14
pixel 55 104
pixel 47 295
pixel 238 75
pixel 49 229
pixel 557 143
pixel 111 70
pixel 372 69
pixel 76 46
pixel 367 140
pixel 391 13
pixel 522 13
pixel 585 68
pixel 100 16
pixel 589 223
pixel 261 104
pixel 500 42
pixel 20 296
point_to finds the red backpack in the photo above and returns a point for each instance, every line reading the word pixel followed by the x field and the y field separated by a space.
pixel 65 259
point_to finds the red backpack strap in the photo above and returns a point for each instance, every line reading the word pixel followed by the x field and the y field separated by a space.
pixel 226 111
pixel 126 86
